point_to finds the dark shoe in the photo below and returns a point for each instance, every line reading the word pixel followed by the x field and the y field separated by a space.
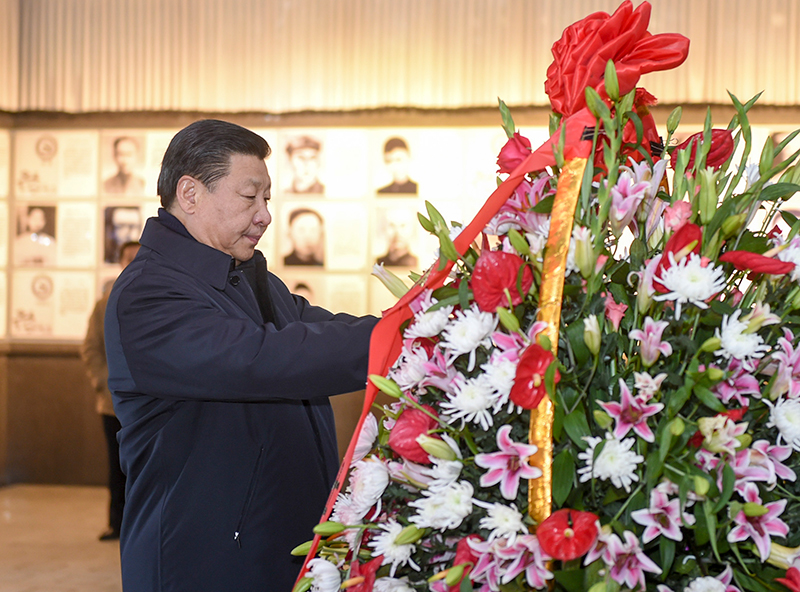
pixel 110 535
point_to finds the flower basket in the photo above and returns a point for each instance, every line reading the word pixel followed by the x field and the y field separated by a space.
pixel 597 385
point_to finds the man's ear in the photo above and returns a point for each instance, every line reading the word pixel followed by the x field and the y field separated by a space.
pixel 186 193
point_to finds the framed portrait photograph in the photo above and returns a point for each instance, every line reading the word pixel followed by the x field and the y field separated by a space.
pixel 302 162
pixel 123 163
pixel 35 241
pixel 121 224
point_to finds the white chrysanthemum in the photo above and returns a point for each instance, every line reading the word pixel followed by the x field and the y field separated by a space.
pixel 443 472
pixel 792 255
pixel 366 438
pixel 394 554
pixel 472 400
pixel 705 584
pixel 429 324
pixel 785 415
pixel 689 282
pixel 392 585
pixel 325 574
pixel 467 331
pixel 368 480
pixel 500 373
pixel 616 461
pixel 409 370
pixel 443 508
pixel 736 343
pixel 502 521
pixel 345 512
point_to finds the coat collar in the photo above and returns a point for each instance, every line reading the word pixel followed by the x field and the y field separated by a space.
pixel 168 237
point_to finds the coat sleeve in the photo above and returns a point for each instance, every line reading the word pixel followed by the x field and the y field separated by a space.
pixel 178 342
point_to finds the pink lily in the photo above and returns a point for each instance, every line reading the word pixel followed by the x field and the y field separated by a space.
pixel 626 196
pixel 525 555
pixel 788 370
pixel 764 454
pixel 615 311
pixel 663 517
pixel 627 562
pixel 631 413
pixel 759 528
pixel 509 465
pixel 441 374
pixel 737 383
pixel 650 337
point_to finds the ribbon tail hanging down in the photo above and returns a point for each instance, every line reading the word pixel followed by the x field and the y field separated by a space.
pixel 386 340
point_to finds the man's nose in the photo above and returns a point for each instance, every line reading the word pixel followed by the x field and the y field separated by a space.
pixel 263 216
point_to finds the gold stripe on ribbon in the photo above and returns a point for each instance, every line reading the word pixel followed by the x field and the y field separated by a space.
pixel 540 491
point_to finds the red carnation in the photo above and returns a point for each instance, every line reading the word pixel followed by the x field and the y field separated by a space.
pixel 515 151
pixel 581 55
pixel 685 240
pixel 494 273
pixel 528 389
pixel 721 148
pixel 567 534
pixel 411 424
pixel 748 261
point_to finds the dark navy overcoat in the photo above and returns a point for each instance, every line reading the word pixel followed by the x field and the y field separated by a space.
pixel 228 438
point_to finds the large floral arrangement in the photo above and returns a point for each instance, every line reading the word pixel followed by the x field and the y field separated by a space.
pixel 676 385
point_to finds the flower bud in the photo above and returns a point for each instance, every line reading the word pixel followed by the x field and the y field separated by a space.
pixel 455 574
pixel 783 557
pixel 410 534
pixel 302 550
pixel 674 119
pixel 711 344
pixel 753 510
pixel 585 258
pixel 715 373
pixel 701 485
pixel 676 427
pixel 744 440
pixel 328 528
pixel 303 584
pixel 591 334
pixel 596 105
pixel 393 283
pixel 707 197
pixel 386 385
pixel 602 419
pixel 733 224
pixel 508 319
pixel 796 301
pixel 436 447
pixel 611 82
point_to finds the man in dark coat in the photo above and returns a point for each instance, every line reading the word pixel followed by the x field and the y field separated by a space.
pixel 220 379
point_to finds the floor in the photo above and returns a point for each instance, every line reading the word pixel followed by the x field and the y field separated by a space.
pixel 48 540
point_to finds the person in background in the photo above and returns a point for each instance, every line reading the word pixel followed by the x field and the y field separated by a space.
pixel 397 157
pixel 220 379
pixel 123 224
pixel 126 181
pixel 93 353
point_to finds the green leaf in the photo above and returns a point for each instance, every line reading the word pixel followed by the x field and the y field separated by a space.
pixel 449 301
pixel 577 344
pixel 708 399
pixel 563 475
pixel 464 295
pixel 518 242
pixel 545 206
pixel 678 399
pixel 576 426
pixel 508 121
pixel 778 191
pixel 466 586
pixel 664 442
pixel 666 550
pixel 788 217
pixel 728 481
pixel 571 580
pixel 711 524
pixel 638 253
pixel 424 222
pixel 653 468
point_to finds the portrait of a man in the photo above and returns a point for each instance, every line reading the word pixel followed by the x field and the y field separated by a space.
pixel 123 224
pixel 397 157
pixel 35 244
pixel 126 153
pixel 304 159
pixel 398 229
pixel 306 234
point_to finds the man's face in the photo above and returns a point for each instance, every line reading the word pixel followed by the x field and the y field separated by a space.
pixel 305 163
pixel 126 225
pixel 36 220
pixel 233 217
pixel 397 163
pixel 305 233
pixel 399 230
pixel 125 156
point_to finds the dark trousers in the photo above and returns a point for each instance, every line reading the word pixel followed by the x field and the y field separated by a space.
pixel 116 478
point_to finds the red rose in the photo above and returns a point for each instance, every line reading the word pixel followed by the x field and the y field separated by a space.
pixel 721 148
pixel 680 244
pixel 745 260
pixel 516 150
pixel 411 424
pixel 567 534
pixel 528 389
pixel 494 273
pixel 581 55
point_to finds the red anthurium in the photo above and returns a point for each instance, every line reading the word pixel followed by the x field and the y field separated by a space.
pixel 745 260
pixel 516 150
pixel 366 571
pixel 411 424
pixel 685 240
pixel 567 534
pixel 720 151
pixel 494 273
pixel 792 579
pixel 529 389
pixel 735 414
